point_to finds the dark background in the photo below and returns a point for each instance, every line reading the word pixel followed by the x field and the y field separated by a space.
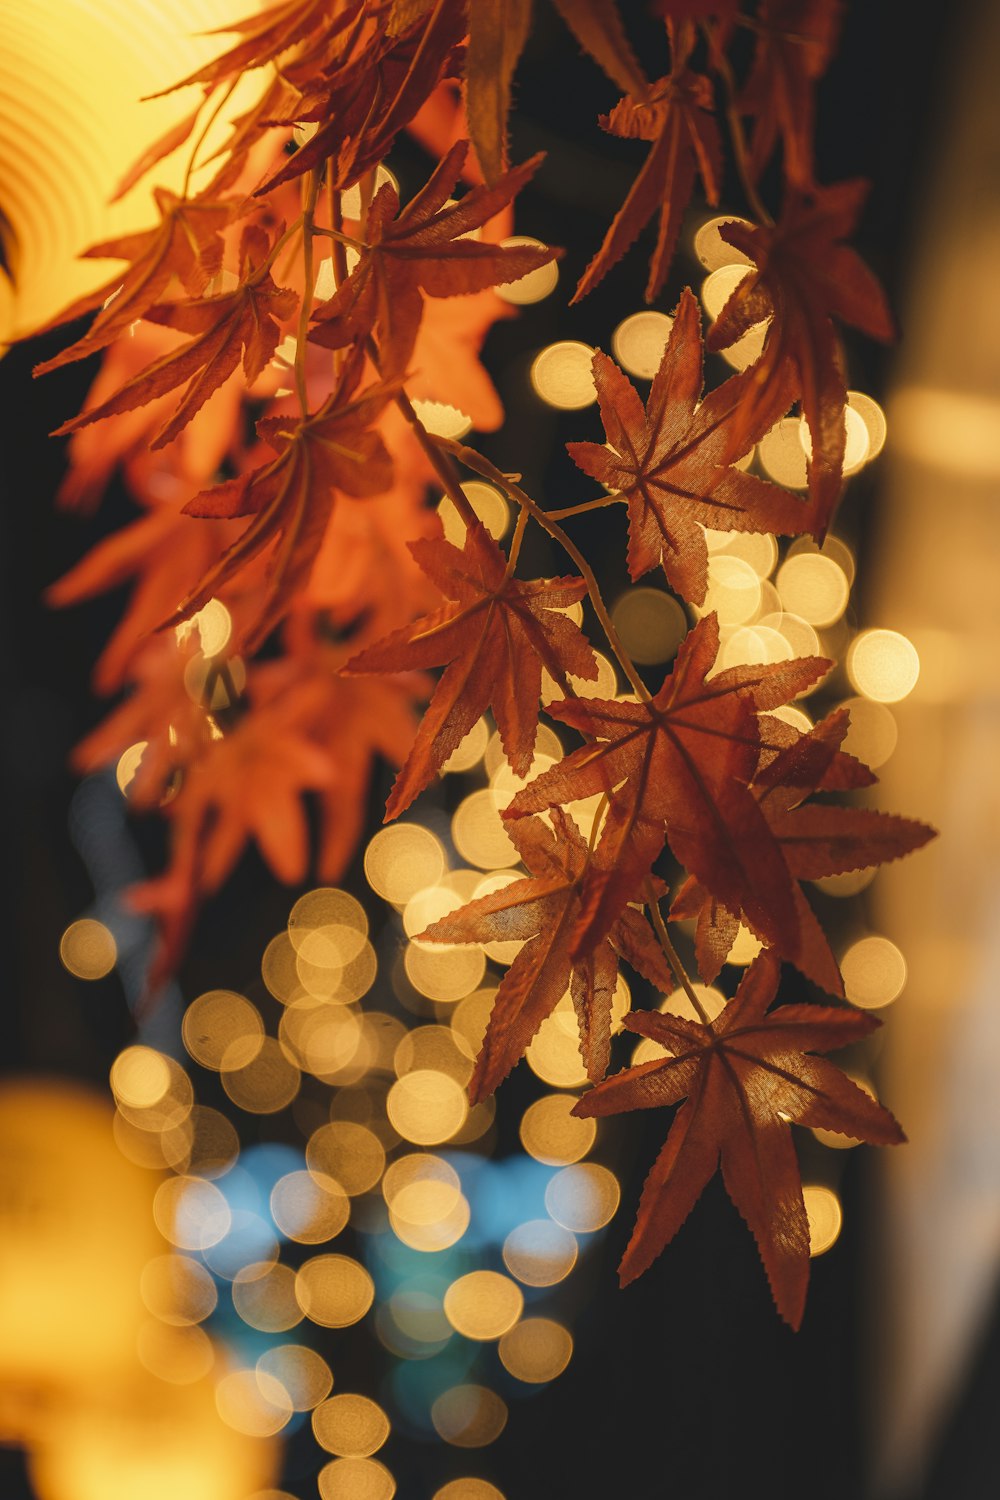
pixel 685 1385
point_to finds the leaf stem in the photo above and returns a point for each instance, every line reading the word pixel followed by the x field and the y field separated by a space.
pixel 584 508
pixel 203 132
pixel 480 465
pixel 310 192
pixel 741 155
pixel 672 956
pixel 515 544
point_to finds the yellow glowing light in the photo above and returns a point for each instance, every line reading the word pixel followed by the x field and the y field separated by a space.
pixel 782 455
pixel 754 645
pixel 309 1207
pixel 323 1038
pixel 874 972
pixel 874 419
pixel 536 1350
pixel 483 1304
pixel 825 1217
pixel 205 684
pixel 401 860
pixel 88 949
pixel 604 685
pixel 489 505
pixel 470 751
pixel 813 587
pixel 304 1374
pixel 264 1296
pixel 328 910
pixel 547 742
pixel 639 341
pixel 846 885
pixel 734 590
pixel 469 1416
pixel 177 1289
pixel 471 1019
pixel 205 1144
pixel 266 1084
pixel 140 1077
pixel 278 969
pixel 145 1148
pixel 479 833
pixel 677 1003
pixel 797 717
pixel 428 906
pixel 505 782
pixel 222 1029
pixel 745 948
pixel 562 375
pixel 445 975
pixel 832 1138
pixel 719 285
pixel 191 1213
pixel 350 199
pixel 350 1425
pixel 442 420
pixel 884 665
pixel 651 624
pixel 583 1198
pixel 536 284
pixel 334 1290
pixel 128 764
pixel 833 547
pixel 428 1228
pixel 712 250
pixel 426 1106
pixel 257 1407
pixel 350 1153
pixel 872 733
pixel 759 549
pixel 340 984
pixel 355 1479
pixel 856 442
pixel 213 626
pixel 554 1052
pixel 468 1489
pixel 799 634
pixel 550 1133
pixel 417 1170
pixel 432 1047
pixel 180 1355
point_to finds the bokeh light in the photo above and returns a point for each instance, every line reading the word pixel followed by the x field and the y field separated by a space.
pixel 825 1217
pixel 883 664
pixel 562 376
pixel 874 972
pixel 87 949
pixel 536 1350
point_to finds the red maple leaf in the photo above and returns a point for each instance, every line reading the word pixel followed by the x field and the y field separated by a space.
pixel 804 277
pixel 290 498
pixel 242 324
pixel 677 769
pixel 422 250
pixel 815 839
pixel 671 463
pixel 794 42
pixel 542 912
pixel 744 1077
pixel 676 116
pixel 495 636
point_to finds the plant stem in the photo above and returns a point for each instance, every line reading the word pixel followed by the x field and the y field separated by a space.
pixel 672 956
pixel 310 192
pixel 583 509
pixel 740 153
pixel 203 132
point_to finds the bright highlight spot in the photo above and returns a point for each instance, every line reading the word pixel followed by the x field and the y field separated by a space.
pixel 351 1426
pixel 583 1198
pixel 401 860
pixel 562 375
pixel 825 1217
pixel 536 1350
pixel 87 949
pixel 639 341
pixel 874 972
pixel 884 665
pixel 483 1304
pixel 536 284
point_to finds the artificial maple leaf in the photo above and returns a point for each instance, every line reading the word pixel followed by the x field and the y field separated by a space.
pixel 675 114
pixel 542 912
pixel 814 840
pixel 186 244
pixel 267 34
pixel 291 497
pixel 671 462
pixel 422 250
pixel 242 324
pixel 794 40
pixel 804 276
pixel 744 1077
pixel 677 769
pixel 495 636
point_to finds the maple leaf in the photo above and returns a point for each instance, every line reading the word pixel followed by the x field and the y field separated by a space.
pixel 804 276
pixel 290 498
pixel 814 840
pixel 675 115
pixel 542 912
pixel 495 637
pixel 266 34
pixel 236 325
pixel 671 462
pixel 186 244
pixel 744 1077
pixel 677 769
pixel 794 42
pixel 422 250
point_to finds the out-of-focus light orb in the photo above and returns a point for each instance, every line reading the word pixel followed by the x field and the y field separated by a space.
pixel 205 1144
pixel 639 341
pixel 536 1350
pixel 745 948
pixel 800 635
pixel 825 1217
pixel 256 1406
pixel 483 1304
pixel 266 1084
pixel 832 1138
pixel 303 1373
pixel 547 742
pixel 754 645
pixel 720 284
pixel 442 420
pixel 432 1047
pixel 212 625
pixel 813 587
pixel 678 1002
pixel 191 1213
pixel 782 455
pixel 562 375
pixel 328 925
pixel 469 1489
pixel 604 685
pixel 222 1029
pixel 583 1198
pixel 350 198
pixel 205 684
pixel 177 1289
pixel 651 624
pixel 883 665
pixel 401 860
pixel 180 1355
pixel 421 1186
pixel 874 419
pixel 128 764
pixel 551 1134
pixel 797 717
pixel 712 250
pixel 470 751
pixel 140 1077
pixel 856 441
pixel 428 906
pixel 848 884
pixel 874 972
pixel 833 547
pixel 469 1416
pixel 734 590
pixel 553 1054
pixel 479 833
pixel 87 949
pixel 444 975
pixel 536 284
pixel 309 1207
pixel 265 1298
pixel 759 549
pixel 355 1479
pixel 872 733
pixel 348 1152
pixel 334 1290
pixel 540 1252
pixel 426 1106
pixel 350 1425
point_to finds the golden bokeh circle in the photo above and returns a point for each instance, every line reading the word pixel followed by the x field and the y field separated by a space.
pixel 482 1305
pixel 350 1425
pixel 334 1290
pixel 536 1350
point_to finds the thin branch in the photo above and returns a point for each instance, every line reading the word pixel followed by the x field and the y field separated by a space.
pixel 672 956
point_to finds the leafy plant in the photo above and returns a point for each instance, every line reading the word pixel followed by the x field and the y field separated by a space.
pixel 296 288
